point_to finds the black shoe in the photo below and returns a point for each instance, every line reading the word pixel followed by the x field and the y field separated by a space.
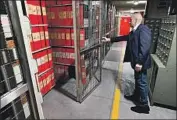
pixel 141 109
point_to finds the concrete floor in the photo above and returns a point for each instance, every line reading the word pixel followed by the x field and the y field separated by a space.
pixel 99 104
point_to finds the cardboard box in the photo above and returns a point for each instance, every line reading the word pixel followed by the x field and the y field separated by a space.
pixel 82 38
pixel 35 42
pixel 60 16
pixel 44 12
pixel 69 56
pixel 69 16
pixel 59 71
pixel 64 2
pixel 50 58
pixel 46 33
pixel 32 12
pixel 39 14
pixel 63 36
pixel 40 84
pixel 72 37
pixel 42 60
pixel 47 82
pixel 48 14
pixel 42 37
pixel 68 37
pixel 51 2
pixel 53 16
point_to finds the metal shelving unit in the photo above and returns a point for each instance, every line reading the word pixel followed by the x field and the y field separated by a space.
pixel 154 24
pixel 80 75
pixel 17 99
pixel 162 76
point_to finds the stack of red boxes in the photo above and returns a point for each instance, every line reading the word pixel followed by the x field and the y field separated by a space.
pixel 58 16
pixel 40 46
pixel 60 20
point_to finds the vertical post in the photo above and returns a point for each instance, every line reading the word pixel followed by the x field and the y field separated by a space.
pixel 75 8
pixel 14 17
pixel 100 38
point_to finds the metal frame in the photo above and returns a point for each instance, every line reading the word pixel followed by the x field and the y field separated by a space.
pixel 21 52
pixel 75 7
pixel 95 44
pixel 13 94
pixel 162 88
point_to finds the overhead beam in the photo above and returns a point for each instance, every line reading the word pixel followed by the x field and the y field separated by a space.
pixel 129 7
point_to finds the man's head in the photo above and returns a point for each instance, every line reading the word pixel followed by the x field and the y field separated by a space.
pixel 136 18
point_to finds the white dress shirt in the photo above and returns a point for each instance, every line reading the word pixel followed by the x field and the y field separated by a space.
pixel 136 26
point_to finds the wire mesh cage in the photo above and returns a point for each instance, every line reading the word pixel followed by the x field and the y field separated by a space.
pixel 75 31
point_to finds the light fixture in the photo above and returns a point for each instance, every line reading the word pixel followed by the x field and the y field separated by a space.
pixel 136 2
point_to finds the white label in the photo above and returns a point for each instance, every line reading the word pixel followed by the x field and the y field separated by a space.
pixel 16 69
pixel 39 61
pixel 26 110
pixel 4 20
pixel 18 78
pixel 15 54
pixel 86 22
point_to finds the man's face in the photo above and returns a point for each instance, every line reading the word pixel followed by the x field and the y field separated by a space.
pixel 132 21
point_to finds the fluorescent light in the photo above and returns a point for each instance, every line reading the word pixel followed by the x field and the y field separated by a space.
pixel 136 3
pixel 142 2
pixel 130 2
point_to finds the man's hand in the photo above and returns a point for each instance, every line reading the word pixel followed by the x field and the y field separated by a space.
pixel 105 39
pixel 138 67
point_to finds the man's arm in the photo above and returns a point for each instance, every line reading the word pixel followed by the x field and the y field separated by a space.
pixel 116 39
pixel 120 38
pixel 144 45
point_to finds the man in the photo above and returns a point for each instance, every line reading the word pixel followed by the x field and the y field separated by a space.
pixel 138 53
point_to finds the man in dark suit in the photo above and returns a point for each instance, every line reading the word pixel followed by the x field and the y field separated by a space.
pixel 138 53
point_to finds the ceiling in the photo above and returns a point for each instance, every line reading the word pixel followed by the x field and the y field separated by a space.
pixel 124 5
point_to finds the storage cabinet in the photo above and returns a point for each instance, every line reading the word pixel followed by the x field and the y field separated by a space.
pixel 162 76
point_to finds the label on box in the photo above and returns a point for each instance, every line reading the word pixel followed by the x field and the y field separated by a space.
pixel 4 19
pixel 15 54
pixel 44 11
pixel 16 69
pixel 25 104
pixel 18 78
pixel 17 73
pixel 26 110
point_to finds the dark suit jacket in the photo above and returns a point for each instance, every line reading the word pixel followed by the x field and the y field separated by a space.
pixel 138 46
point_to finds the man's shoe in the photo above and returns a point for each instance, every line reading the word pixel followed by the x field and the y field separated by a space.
pixel 141 109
